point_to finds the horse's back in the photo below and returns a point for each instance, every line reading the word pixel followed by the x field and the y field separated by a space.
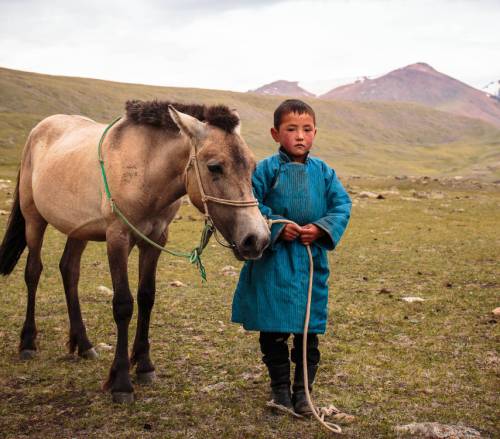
pixel 60 175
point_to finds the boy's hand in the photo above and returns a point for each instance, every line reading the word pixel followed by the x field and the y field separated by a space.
pixel 290 232
pixel 309 233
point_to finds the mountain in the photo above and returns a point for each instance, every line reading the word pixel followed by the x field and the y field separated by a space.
pixel 368 138
pixel 422 84
pixel 283 88
pixel 493 89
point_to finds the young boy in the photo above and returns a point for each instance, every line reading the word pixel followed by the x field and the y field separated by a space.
pixel 271 295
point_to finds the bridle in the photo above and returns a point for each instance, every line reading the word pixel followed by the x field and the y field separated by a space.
pixel 193 163
pixel 195 255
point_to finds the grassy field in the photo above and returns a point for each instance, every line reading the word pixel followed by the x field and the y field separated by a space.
pixel 367 138
pixel 385 361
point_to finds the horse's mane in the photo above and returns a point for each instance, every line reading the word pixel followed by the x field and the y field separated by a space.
pixel 156 113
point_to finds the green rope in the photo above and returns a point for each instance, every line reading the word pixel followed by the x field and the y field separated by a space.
pixel 194 256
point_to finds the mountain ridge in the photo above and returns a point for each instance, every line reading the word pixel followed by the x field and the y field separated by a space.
pixel 372 138
pixel 421 83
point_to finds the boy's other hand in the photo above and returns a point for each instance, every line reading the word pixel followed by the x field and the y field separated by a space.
pixel 290 232
pixel 310 233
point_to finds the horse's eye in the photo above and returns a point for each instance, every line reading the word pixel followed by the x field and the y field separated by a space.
pixel 215 168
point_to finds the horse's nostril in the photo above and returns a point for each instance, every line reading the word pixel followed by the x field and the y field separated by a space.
pixel 249 241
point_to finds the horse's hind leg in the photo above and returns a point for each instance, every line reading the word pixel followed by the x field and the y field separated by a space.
pixel 35 229
pixel 148 261
pixel 70 271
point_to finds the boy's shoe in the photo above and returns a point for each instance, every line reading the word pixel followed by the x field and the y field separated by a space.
pixel 299 399
pixel 282 396
pixel 280 384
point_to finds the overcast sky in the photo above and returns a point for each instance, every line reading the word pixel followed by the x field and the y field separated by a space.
pixel 243 44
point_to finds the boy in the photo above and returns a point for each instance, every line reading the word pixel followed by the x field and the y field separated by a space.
pixel 271 294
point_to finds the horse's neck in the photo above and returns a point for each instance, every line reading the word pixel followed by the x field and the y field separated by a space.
pixel 165 160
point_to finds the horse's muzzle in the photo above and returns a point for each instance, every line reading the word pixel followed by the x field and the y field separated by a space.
pixel 251 246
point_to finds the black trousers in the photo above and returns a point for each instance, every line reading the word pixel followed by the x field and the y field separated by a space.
pixel 274 348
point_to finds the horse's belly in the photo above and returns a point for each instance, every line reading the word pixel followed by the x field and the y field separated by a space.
pixel 67 191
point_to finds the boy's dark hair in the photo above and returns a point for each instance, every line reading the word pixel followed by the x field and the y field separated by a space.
pixel 292 106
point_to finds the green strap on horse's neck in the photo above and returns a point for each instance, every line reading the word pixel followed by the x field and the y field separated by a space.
pixel 194 257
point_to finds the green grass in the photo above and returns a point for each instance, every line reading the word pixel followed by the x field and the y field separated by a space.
pixel 383 360
pixel 370 138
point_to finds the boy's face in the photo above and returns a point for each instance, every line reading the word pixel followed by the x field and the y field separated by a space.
pixel 295 134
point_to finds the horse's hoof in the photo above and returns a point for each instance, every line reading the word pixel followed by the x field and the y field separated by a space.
pixel 123 397
pixel 146 377
pixel 27 354
pixel 89 354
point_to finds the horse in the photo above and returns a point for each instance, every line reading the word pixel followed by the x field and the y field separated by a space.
pixel 155 154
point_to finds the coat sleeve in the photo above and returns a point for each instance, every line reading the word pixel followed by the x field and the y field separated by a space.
pixel 263 178
pixel 338 213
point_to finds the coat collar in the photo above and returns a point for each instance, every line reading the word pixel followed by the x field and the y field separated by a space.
pixel 285 158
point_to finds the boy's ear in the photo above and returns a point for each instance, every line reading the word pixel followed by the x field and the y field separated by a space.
pixel 275 135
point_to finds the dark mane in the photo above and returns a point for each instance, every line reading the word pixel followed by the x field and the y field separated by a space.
pixel 156 113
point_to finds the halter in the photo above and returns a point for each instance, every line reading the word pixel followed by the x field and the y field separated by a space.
pixel 193 162
pixel 195 255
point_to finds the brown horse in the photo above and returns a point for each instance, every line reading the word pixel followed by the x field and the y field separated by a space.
pixel 146 156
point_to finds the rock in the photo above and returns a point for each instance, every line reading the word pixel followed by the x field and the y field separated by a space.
pixel 435 430
pixel 104 347
pixel 177 284
pixel 3 212
pixel 104 290
pixel 392 191
pixel 385 291
pixel 217 386
pixel 411 299
pixel 496 311
pixel 229 270
pixel 437 195
pixel 420 194
pixel 368 194
pixel 458 178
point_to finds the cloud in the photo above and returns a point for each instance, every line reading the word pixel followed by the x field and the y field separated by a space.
pixel 242 44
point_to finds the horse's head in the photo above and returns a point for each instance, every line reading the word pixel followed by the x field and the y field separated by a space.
pixel 225 165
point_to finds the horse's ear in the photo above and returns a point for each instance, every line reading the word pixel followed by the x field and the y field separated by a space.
pixel 237 128
pixel 188 125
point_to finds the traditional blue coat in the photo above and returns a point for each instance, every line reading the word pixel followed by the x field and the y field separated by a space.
pixel 272 291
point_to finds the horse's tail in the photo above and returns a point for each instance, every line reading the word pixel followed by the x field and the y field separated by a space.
pixel 14 240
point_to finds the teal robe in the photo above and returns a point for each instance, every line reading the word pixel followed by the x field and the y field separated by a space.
pixel 272 291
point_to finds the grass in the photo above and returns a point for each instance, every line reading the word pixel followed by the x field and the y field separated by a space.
pixel 368 138
pixel 383 360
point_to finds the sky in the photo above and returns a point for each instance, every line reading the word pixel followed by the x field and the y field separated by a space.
pixel 242 44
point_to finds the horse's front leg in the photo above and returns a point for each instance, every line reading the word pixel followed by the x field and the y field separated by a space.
pixel 148 261
pixel 119 244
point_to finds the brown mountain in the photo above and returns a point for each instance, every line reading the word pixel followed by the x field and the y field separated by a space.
pixel 283 88
pixel 422 84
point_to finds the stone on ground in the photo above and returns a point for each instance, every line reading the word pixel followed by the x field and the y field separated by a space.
pixel 435 430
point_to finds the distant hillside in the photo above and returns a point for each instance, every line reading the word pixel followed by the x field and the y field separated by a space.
pixel 493 89
pixel 422 84
pixel 368 138
pixel 283 88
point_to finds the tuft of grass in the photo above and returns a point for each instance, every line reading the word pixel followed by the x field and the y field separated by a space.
pixel 385 361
